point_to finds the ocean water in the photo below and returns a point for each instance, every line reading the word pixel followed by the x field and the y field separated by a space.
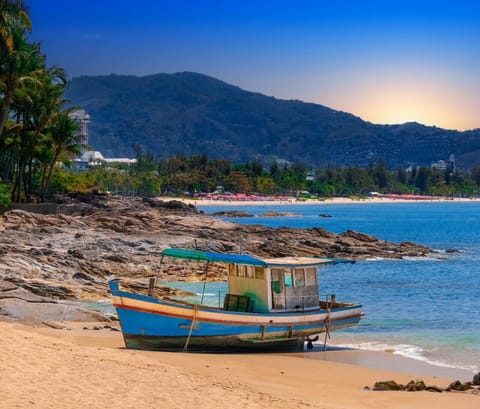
pixel 423 308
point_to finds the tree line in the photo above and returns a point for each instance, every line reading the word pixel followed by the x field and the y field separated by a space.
pixel 36 130
pixel 196 174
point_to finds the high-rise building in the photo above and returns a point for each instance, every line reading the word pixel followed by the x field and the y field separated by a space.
pixel 83 119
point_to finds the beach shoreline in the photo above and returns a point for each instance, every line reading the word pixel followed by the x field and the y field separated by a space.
pixel 79 366
pixel 327 201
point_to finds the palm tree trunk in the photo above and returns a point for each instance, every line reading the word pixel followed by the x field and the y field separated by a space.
pixel 5 111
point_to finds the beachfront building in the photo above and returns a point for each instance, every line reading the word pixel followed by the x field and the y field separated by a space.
pixel 439 164
pixel 92 159
pixel 82 117
pixel 445 164
pixel 88 159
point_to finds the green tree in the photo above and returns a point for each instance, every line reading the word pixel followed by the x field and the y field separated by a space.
pixel 38 104
pixel 14 23
pixel 4 196
pixel 264 184
pixel 402 176
pixel 63 141
pixel 422 181
pixel 381 176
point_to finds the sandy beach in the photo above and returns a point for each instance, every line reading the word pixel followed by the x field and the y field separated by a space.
pixel 327 201
pixel 85 368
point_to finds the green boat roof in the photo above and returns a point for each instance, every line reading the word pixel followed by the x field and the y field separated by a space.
pixel 214 257
pixel 245 259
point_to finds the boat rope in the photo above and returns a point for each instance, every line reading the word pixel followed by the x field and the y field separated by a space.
pixel 326 322
pixel 159 269
pixel 194 319
pixel 204 283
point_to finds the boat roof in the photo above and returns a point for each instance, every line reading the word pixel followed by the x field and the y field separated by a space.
pixel 296 261
pixel 245 259
pixel 215 257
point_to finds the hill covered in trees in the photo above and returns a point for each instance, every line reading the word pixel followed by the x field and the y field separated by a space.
pixel 190 113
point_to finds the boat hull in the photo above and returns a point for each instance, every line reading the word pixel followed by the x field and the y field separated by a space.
pixel 153 324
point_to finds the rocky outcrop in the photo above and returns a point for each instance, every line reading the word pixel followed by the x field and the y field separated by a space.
pixel 232 213
pixel 419 385
pixel 95 237
pixel 274 213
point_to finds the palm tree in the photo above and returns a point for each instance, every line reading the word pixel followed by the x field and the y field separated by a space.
pixel 37 101
pixel 13 14
pixel 14 22
pixel 63 141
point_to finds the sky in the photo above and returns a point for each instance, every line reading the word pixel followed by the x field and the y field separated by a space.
pixel 387 62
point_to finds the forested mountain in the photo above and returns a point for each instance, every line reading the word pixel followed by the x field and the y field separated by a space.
pixel 188 113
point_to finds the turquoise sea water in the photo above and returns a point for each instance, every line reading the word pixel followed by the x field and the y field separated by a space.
pixel 426 308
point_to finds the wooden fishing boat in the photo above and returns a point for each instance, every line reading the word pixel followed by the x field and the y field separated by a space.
pixel 271 303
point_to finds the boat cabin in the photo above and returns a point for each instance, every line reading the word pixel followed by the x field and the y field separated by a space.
pixel 269 285
pixel 281 284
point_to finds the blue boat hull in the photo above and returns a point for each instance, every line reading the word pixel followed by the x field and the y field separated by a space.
pixel 150 323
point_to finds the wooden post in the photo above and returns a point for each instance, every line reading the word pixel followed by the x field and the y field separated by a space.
pixel 151 286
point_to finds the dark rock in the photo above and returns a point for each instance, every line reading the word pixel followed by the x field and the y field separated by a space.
pixel 232 213
pixel 359 236
pixel 94 198
pixel 476 379
pixel 82 276
pixel 433 388
pixel 459 386
pixel 322 232
pixel 41 289
pixel 388 386
pixel 170 204
pixel 415 386
pixel 273 213
pixel 116 258
pixel 76 253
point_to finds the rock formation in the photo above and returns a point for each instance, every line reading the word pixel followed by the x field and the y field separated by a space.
pixel 71 255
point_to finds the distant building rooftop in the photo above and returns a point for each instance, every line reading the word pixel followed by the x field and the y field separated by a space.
pixel 95 158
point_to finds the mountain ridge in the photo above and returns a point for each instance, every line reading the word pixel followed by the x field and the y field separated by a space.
pixel 189 113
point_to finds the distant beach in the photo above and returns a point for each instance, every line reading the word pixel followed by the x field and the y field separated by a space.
pixel 273 201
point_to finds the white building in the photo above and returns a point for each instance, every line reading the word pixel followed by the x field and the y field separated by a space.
pixel 82 117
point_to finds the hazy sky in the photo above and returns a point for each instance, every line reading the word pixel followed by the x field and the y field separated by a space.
pixel 385 61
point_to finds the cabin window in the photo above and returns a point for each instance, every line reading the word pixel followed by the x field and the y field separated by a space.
pixel 299 278
pixel 259 273
pixel 287 278
pixel 277 280
pixel 311 278
pixel 250 271
pixel 241 271
pixel 232 271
